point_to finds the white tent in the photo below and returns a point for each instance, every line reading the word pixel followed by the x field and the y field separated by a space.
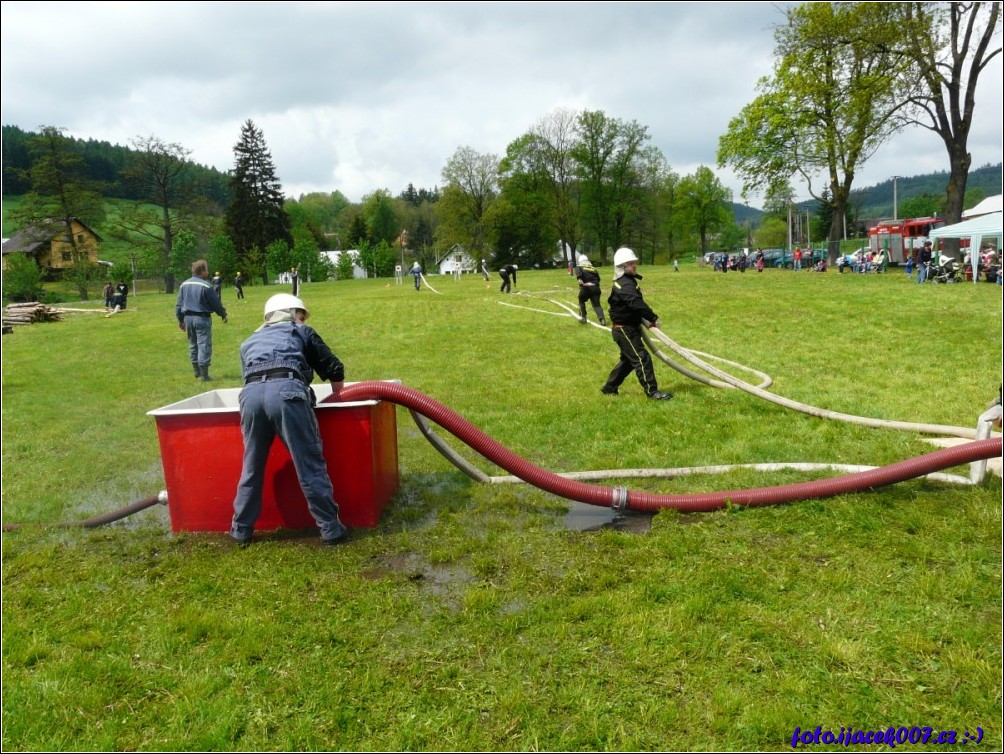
pixel 990 204
pixel 984 226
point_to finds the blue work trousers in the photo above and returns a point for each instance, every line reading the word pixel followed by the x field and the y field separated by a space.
pixel 282 407
pixel 200 340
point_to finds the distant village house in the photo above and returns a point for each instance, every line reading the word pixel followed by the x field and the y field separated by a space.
pixel 51 248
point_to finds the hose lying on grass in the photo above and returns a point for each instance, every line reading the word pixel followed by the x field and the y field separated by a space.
pixel 727 380
pixel 620 498
pixel 105 518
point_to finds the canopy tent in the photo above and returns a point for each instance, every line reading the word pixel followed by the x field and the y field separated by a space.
pixel 990 204
pixel 984 226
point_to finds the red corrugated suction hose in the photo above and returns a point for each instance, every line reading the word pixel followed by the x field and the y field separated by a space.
pixel 618 497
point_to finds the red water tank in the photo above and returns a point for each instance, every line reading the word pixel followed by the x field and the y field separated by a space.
pixel 202 452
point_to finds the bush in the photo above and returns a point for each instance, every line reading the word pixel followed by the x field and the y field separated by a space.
pixel 22 280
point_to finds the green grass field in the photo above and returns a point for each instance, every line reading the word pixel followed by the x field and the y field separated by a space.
pixel 474 617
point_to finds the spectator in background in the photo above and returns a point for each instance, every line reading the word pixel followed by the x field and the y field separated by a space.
pixel 109 294
pixel 924 262
pixel 218 284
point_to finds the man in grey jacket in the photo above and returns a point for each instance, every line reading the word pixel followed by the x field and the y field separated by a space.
pixel 197 301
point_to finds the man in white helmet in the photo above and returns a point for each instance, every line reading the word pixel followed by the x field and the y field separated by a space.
pixel 278 362
pixel 589 289
pixel 628 312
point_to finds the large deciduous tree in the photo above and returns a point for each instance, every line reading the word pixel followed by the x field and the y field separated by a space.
pixel 546 151
pixel 833 100
pixel 605 154
pixel 157 170
pixel 471 188
pixel 704 204
pixel 950 45
pixel 255 218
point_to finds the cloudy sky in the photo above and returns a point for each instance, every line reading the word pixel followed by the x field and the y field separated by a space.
pixel 357 97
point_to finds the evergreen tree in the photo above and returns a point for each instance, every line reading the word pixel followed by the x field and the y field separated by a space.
pixel 255 217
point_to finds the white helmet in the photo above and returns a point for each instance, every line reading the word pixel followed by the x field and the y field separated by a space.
pixel 623 255
pixel 282 301
pixel 583 259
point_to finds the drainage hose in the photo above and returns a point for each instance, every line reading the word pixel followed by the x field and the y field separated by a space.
pixel 620 498
pixel 105 518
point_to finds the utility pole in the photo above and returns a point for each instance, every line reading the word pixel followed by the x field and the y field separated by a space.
pixel 895 198
pixel 133 258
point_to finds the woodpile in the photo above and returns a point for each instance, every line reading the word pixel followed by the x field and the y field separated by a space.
pixel 29 313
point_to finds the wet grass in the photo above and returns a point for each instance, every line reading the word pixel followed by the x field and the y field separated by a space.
pixel 473 618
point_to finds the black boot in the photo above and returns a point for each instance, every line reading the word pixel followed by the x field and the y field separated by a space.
pixel 198 371
pixel 204 376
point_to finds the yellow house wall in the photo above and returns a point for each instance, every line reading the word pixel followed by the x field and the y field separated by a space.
pixel 54 257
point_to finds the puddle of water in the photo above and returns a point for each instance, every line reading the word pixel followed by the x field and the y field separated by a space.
pixel 584 517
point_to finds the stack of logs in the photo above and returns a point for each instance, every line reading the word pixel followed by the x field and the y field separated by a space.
pixel 26 314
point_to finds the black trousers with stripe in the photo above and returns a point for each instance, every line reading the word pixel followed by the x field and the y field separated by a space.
pixel 634 358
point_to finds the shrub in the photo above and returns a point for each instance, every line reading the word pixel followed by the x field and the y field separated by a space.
pixel 22 280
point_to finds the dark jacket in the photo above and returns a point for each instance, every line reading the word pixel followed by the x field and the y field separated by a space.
pixel 508 270
pixel 196 296
pixel 627 307
pixel 290 346
pixel 587 275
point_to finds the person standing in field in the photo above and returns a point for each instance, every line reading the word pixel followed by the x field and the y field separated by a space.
pixel 589 289
pixel 197 302
pixel 628 313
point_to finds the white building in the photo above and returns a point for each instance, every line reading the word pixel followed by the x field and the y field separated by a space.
pixel 456 261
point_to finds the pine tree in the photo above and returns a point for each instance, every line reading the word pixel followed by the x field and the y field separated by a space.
pixel 255 217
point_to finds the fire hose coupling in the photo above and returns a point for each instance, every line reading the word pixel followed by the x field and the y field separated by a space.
pixel 620 498
pixel 162 497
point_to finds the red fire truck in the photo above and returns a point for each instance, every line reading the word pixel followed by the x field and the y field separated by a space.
pixel 899 238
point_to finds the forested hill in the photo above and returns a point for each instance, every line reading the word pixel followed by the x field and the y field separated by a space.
pixel 876 201
pixel 104 163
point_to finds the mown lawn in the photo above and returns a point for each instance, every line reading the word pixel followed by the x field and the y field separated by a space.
pixel 473 617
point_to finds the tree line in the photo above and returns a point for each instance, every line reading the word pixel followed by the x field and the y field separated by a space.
pixel 848 77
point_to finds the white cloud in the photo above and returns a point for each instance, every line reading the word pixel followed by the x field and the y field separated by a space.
pixel 359 97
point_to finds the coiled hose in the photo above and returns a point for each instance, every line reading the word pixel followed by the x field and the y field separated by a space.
pixel 620 498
